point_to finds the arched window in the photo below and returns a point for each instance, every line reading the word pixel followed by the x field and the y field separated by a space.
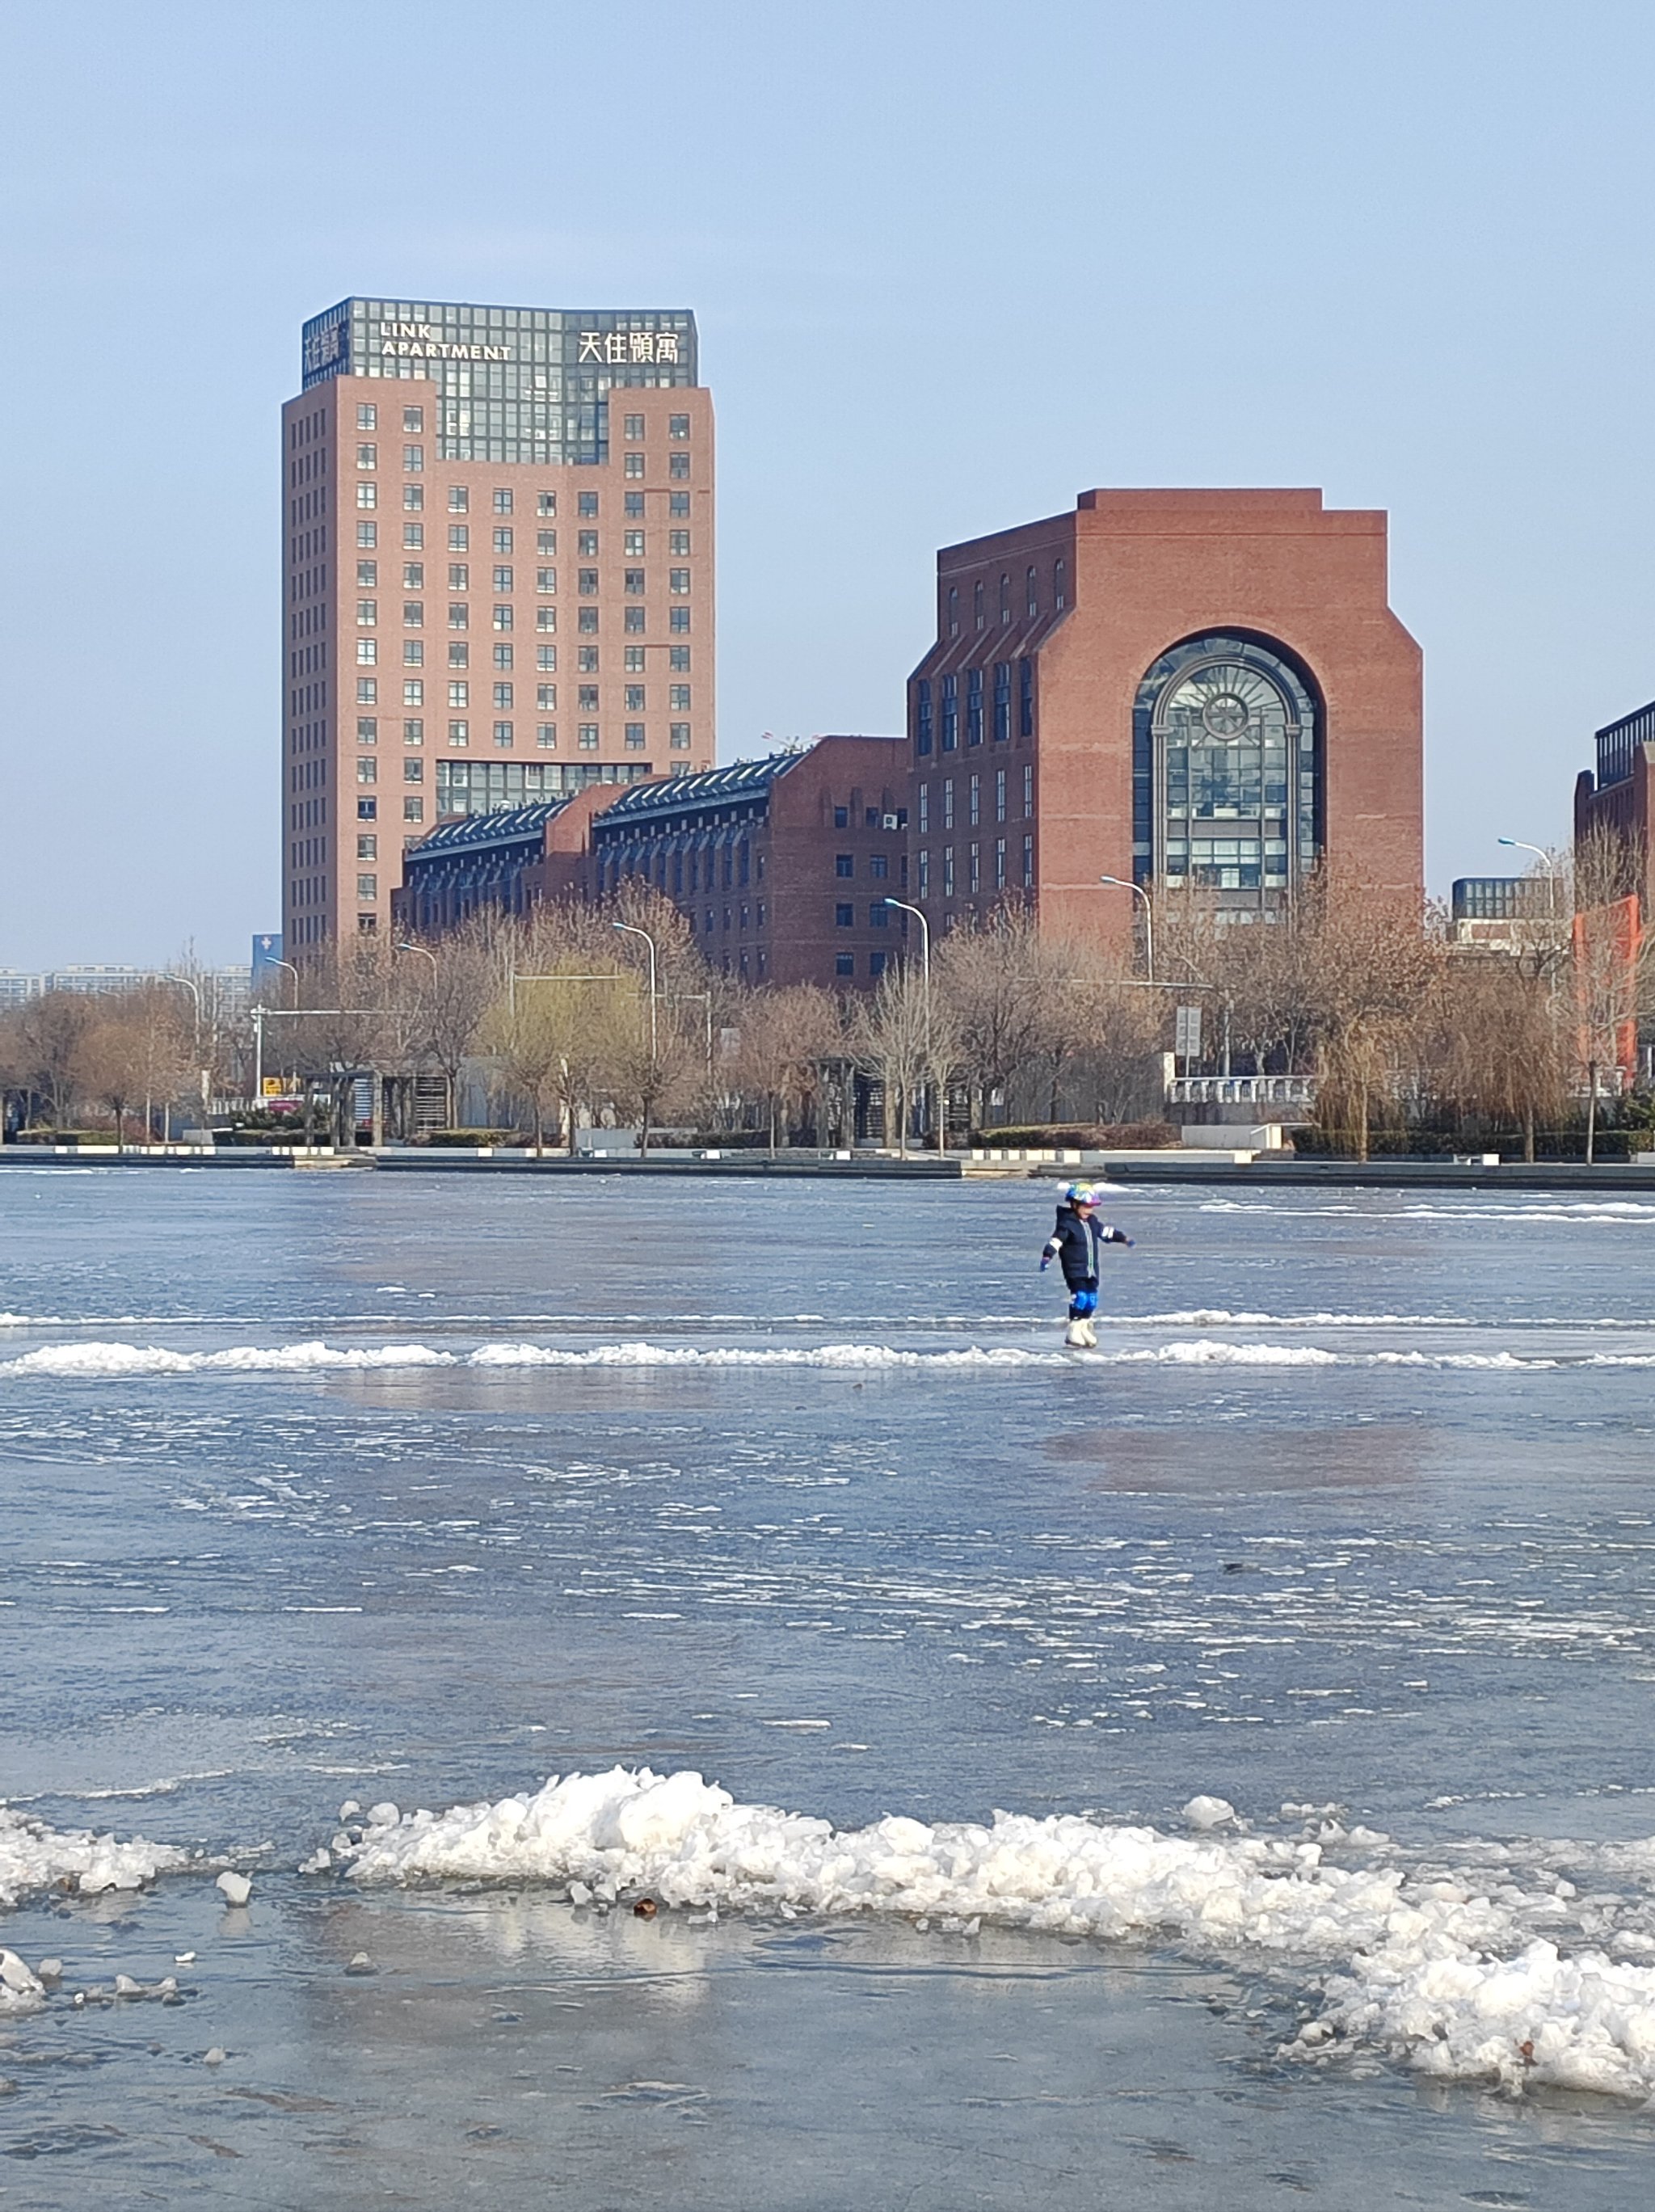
pixel 1226 773
pixel 977 602
pixel 953 610
pixel 1033 580
pixel 1005 599
pixel 1060 585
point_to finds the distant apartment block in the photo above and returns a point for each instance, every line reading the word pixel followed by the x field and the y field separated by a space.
pixel 498 579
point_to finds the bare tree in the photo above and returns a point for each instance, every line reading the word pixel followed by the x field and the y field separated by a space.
pixel 1611 966
pixel 43 1037
pixel 783 1038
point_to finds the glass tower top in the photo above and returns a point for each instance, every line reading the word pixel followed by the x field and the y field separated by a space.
pixel 516 384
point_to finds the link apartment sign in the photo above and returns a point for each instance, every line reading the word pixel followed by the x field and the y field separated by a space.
pixel 425 342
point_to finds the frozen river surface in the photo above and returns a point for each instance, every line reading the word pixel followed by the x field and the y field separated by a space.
pixel 416 1493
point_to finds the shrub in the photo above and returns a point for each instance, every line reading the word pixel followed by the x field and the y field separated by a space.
pixel 1087 1137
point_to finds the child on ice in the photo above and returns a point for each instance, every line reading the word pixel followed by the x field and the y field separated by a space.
pixel 1073 1243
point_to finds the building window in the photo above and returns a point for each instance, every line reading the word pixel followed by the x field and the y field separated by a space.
pixel 632 428
pixel 367 770
pixel 977 617
pixel 678 542
pixel 632 543
pixel 546 737
pixel 413 497
pixel 1032 591
pixel 973 707
pixel 678 696
pixel 924 807
pixel 459 653
pixel 974 801
pixel 546 541
pixel 546 697
pixel 953 610
pixel 845 864
pixel 632 619
pixel 633 578
pixel 502 656
pixel 678 618
pixel 502 501
pixel 413 809
pixel 678 735
pixel 413 769
pixel 678 504
pixel 413 614
pixel 844 915
pixel 950 713
pixel 368 495
pixel 586 583
pixel 922 715
pixel 367 887
pixel 634 698
pixel 876 962
pixel 458 499
pixel 947 872
pixel 367 847
pixel 459 695
pixel 459 734
pixel 502 541
pixel 459 537
pixel 414 734
pixel 502 695
pixel 413 538
pixel 367 652
pixel 503 736
pixel 632 505
pixel 1025 697
pixel 999 864
pixel 924 875
pixel 367 925
pixel 367 691
pixel 678 658
pixel 1005 599
pixel 546 581
pixel 368 730
pixel 546 503
pixel 586 503
pixel 588 698
pixel 635 737
pixel 414 691
pixel 586 621
pixel 588 737
pixel 879 866
pixel 413 652
pixel 1002 701
pixel 413 418
pixel 635 465
pixel 546 659
pixel 1028 863
pixel 677 426
pixel 366 809
pixel 546 618
pixel 879 915
pixel 677 465
pixel 948 802
pixel 367 457
pixel 368 576
pixel 367 415
pixel 844 963
pixel 999 794
pixel 368 533
pixel 1060 585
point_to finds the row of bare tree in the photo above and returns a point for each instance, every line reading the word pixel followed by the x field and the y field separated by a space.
pixel 572 1016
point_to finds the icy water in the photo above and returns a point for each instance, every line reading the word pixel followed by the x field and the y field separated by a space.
pixel 418 1493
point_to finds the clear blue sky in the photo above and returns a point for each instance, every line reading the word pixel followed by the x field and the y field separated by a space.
pixel 951 264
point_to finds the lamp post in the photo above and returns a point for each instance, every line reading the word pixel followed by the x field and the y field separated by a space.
pixel 423 950
pixel 258 1028
pixel 1138 891
pixel 631 929
pixel 194 990
pixel 1546 861
pixel 924 973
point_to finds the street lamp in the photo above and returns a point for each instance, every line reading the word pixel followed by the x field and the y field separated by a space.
pixel 1546 861
pixel 424 950
pixel 1138 891
pixel 924 973
pixel 258 1026
pixel 631 929
pixel 194 990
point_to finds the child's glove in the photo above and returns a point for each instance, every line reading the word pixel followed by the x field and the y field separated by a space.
pixel 1045 1262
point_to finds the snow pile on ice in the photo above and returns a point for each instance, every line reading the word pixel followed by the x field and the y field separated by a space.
pixel 33 1857
pixel 1456 1979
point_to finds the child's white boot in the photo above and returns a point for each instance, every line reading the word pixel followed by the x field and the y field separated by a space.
pixel 1089 1337
pixel 1077 1337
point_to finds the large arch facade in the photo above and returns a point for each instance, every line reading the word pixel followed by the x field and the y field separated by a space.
pixel 1228 772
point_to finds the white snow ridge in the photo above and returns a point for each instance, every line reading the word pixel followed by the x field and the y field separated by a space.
pixel 33 1857
pixel 1454 1980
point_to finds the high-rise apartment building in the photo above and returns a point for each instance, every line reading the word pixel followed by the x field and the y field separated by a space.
pixel 498 579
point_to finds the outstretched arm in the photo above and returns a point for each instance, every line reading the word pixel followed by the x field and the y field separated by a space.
pixel 1109 1235
pixel 1050 1250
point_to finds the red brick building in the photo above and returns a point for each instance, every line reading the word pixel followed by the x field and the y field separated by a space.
pixel 781 866
pixel 1171 688
pixel 1613 805
pixel 498 579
